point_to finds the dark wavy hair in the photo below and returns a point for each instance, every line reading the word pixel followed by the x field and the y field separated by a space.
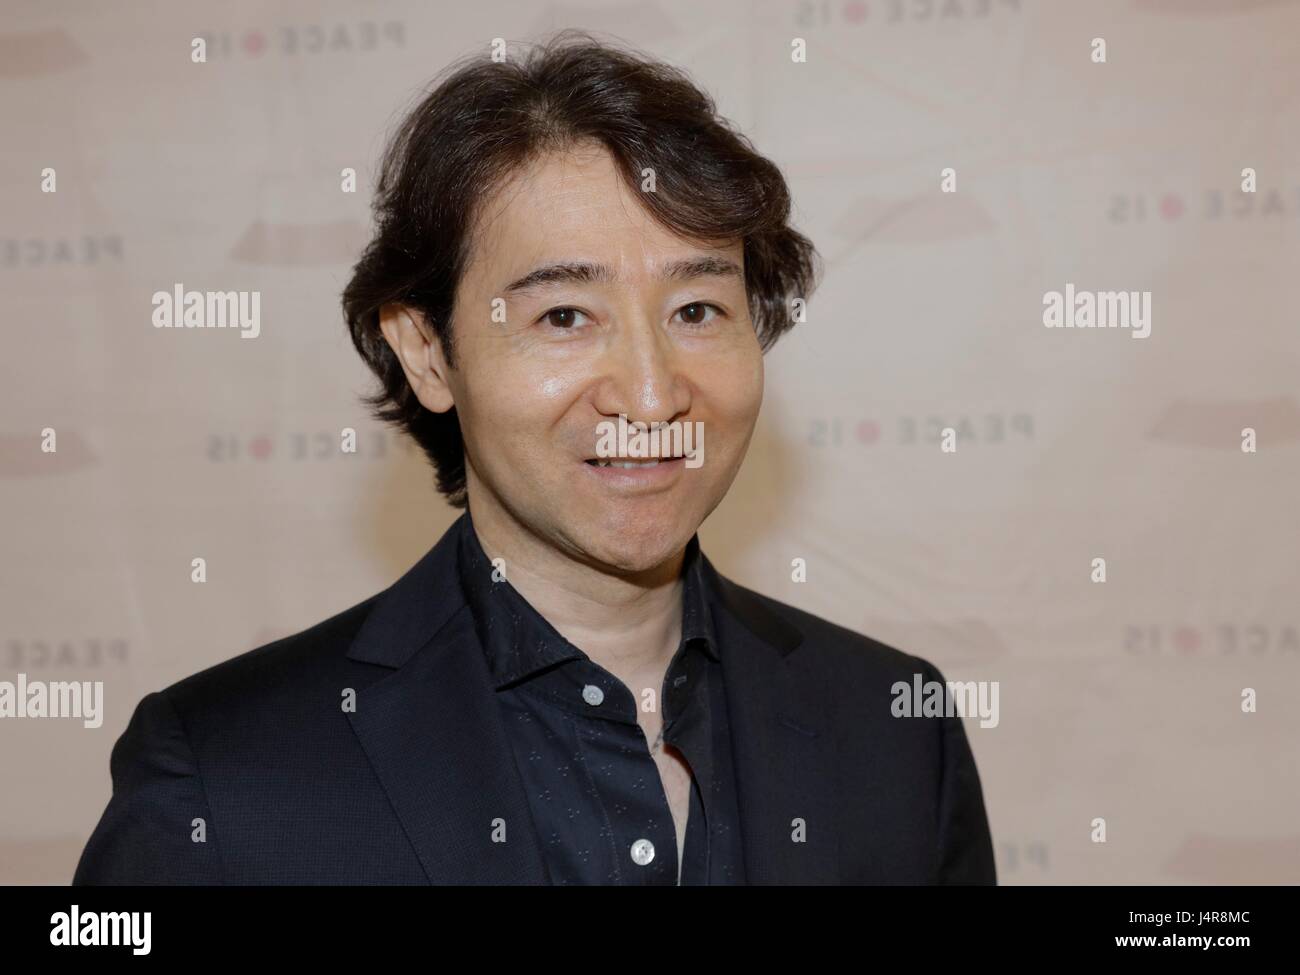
pixel 484 121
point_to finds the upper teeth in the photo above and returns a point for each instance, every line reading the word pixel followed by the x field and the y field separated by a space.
pixel 609 462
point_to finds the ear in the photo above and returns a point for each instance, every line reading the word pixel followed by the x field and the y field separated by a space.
pixel 419 351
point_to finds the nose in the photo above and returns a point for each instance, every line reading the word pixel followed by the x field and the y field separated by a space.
pixel 642 377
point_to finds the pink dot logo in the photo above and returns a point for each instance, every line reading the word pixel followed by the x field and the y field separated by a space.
pixel 260 448
pixel 855 12
pixel 1171 206
pixel 868 431
pixel 254 42
pixel 1187 639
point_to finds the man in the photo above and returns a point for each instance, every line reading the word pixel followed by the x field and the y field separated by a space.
pixel 563 690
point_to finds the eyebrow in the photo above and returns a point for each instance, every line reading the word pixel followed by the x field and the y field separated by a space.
pixel 582 272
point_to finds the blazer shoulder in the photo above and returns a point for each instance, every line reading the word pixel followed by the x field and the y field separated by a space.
pixel 291 664
pixel 834 645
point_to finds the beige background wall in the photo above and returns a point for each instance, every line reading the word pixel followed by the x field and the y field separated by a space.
pixel 1118 700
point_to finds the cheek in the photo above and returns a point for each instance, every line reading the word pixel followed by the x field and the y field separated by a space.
pixel 555 388
pixel 512 406
pixel 735 391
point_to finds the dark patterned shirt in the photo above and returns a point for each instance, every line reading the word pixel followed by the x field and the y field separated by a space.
pixel 594 790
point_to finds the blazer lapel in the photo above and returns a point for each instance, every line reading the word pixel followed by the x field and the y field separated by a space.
pixel 433 734
pixel 781 741
pixel 432 731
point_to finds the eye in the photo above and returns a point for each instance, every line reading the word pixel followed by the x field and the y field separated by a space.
pixel 561 318
pixel 696 308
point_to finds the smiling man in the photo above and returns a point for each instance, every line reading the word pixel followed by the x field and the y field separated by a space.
pixel 563 690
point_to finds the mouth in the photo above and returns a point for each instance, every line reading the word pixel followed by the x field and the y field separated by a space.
pixel 625 464
pixel 630 476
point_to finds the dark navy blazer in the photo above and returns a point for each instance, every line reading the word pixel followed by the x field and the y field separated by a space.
pixel 258 757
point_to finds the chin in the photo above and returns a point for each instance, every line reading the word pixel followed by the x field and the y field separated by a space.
pixel 637 542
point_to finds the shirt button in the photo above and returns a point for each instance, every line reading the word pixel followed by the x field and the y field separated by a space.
pixel 593 695
pixel 643 851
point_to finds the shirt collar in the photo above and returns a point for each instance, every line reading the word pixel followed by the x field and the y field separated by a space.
pixel 519 641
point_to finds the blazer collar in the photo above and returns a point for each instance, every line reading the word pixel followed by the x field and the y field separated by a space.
pixel 434 734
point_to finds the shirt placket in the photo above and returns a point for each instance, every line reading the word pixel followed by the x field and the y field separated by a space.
pixel 614 749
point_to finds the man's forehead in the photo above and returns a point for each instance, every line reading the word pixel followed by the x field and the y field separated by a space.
pixel 563 195
pixel 566 210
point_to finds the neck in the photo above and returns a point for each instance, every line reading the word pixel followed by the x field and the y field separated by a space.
pixel 630 624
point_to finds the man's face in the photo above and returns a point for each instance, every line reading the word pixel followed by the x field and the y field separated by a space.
pixel 531 391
